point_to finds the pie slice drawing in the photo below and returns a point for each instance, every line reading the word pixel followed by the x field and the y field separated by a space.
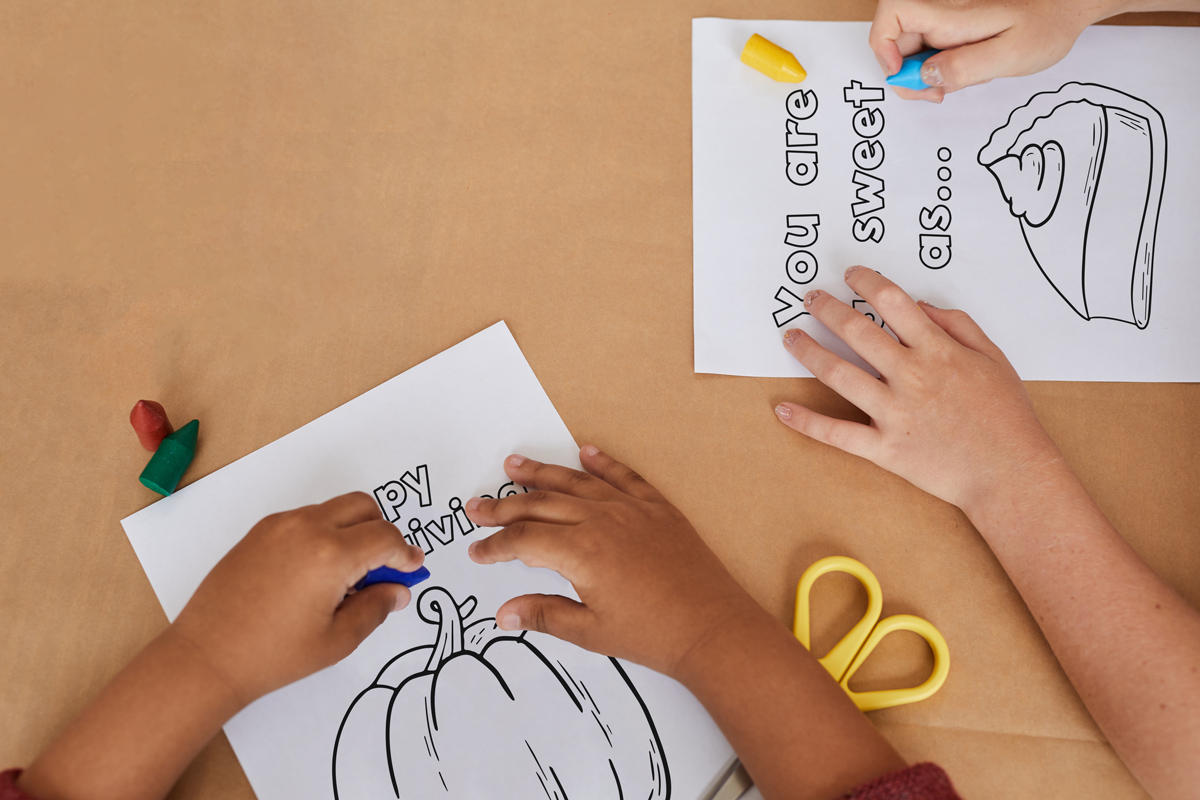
pixel 1082 168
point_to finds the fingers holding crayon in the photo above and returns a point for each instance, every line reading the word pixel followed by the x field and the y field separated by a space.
pixel 979 40
pixel 275 608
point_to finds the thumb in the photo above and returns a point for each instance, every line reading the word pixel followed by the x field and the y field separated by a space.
pixel 362 612
pixel 554 614
pixel 971 64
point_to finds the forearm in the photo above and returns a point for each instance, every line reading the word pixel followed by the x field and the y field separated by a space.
pixel 1129 644
pixel 794 729
pixel 135 739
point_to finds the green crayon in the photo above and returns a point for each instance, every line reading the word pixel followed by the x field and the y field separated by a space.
pixel 171 459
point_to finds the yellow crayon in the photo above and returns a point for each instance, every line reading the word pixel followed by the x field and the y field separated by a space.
pixel 772 60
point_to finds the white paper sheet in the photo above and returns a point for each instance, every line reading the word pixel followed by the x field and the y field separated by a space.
pixel 1088 275
pixel 577 723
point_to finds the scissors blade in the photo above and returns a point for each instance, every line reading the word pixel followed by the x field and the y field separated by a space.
pixel 733 784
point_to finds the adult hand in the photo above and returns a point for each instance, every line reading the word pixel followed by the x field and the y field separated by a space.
pixel 650 589
pixel 980 39
pixel 275 609
pixel 948 412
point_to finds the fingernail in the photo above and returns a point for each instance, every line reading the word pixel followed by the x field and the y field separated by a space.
pixel 473 503
pixel 850 271
pixel 516 461
pixel 471 549
pixel 931 74
pixel 927 303
pixel 591 450
pixel 402 600
pixel 791 337
pixel 509 622
pixel 810 297
pixel 783 411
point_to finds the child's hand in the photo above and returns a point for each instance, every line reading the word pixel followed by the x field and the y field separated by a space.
pixel 651 589
pixel 981 39
pixel 275 609
pixel 948 413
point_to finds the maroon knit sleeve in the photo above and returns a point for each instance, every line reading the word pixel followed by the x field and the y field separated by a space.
pixel 8 786
pixel 918 782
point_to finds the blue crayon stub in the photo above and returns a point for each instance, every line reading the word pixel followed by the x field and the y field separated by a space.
pixel 909 76
pixel 389 575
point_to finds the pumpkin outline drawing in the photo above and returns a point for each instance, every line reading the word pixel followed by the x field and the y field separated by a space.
pixel 532 707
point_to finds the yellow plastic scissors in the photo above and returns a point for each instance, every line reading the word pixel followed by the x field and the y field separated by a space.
pixel 845 657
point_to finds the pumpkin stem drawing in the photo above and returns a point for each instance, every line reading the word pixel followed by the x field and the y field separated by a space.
pixel 482 712
pixel 450 626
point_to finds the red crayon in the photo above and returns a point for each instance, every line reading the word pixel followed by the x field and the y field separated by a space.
pixel 150 421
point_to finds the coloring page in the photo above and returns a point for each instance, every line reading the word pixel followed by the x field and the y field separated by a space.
pixel 1057 209
pixel 438 702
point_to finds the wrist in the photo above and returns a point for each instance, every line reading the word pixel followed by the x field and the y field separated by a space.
pixel 728 628
pixel 202 671
pixel 1007 497
pixel 1002 468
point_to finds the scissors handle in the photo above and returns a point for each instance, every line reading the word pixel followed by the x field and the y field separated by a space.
pixel 886 698
pixel 837 661
pixel 845 657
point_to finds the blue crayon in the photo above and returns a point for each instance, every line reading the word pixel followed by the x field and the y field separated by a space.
pixel 909 76
pixel 389 575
